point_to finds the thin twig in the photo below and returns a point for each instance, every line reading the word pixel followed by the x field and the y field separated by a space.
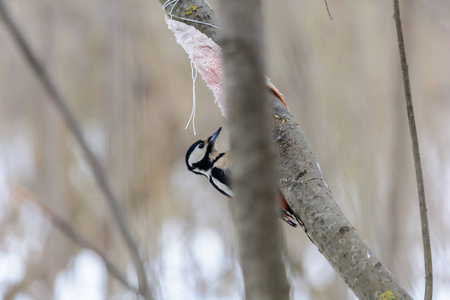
pixel 20 193
pixel 94 163
pixel 329 14
pixel 416 154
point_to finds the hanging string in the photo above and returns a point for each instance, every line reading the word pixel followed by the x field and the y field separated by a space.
pixel 194 70
pixel 194 73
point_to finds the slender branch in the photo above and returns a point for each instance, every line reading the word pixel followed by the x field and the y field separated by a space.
pixel 254 172
pixel 20 193
pixel 99 175
pixel 328 10
pixel 416 154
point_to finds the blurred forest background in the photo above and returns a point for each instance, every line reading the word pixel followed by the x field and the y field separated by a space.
pixel 130 86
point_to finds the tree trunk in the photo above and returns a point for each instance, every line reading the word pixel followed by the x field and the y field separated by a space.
pixel 254 172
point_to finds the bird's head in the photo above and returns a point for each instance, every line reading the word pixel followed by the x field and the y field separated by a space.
pixel 200 156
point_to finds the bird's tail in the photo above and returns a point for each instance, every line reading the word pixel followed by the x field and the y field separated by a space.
pixel 288 216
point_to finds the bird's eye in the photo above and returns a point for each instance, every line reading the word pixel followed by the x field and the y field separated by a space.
pixel 201 145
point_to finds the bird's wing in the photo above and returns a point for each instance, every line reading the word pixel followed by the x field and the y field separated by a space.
pixel 220 179
pixel 221 175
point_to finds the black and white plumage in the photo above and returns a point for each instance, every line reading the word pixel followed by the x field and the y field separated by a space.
pixel 202 158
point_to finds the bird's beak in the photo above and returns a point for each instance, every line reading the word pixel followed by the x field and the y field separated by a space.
pixel 212 139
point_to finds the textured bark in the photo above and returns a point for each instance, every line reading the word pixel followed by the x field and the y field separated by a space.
pixel 196 13
pixel 254 171
pixel 305 190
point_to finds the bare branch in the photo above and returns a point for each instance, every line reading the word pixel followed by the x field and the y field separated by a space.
pixel 307 193
pixel 100 177
pixel 254 172
pixel 416 154
pixel 328 10
pixel 21 194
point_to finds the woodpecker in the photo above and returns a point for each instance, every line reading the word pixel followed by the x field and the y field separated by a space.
pixel 202 158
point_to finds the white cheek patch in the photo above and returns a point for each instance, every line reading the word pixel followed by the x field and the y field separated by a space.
pixel 196 156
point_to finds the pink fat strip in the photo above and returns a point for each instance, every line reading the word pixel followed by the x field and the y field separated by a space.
pixel 206 56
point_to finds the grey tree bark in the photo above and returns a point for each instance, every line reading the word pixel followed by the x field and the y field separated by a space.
pixel 307 193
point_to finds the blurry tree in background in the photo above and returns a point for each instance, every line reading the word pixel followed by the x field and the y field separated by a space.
pixel 129 84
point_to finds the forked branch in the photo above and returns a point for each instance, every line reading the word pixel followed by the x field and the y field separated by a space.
pixel 21 194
